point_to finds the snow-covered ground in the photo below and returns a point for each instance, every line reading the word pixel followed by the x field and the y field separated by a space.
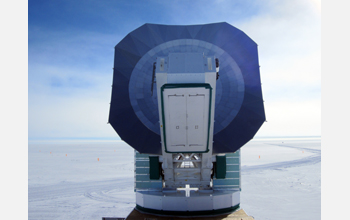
pixel 285 185
pixel 281 179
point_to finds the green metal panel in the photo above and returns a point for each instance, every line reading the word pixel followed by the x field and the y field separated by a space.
pixel 232 167
pixel 231 160
pixel 138 155
pixel 232 174
pixel 237 153
pixel 226 182
pixel 144 177
pixel 220 167
pixel 232 178
pixel 142 170
pixel 154 169
pixel 148 185
pixel 142 163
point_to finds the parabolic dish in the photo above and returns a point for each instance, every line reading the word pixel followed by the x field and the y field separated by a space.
pixel 239 109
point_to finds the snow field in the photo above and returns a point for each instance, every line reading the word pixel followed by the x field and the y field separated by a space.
pixel 96 179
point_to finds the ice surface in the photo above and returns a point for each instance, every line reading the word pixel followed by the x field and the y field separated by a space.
pixel 94 179
pixel 287 185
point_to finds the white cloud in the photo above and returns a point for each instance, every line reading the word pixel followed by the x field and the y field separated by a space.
pixel 289 39
pixel 81 114
pixel 286 118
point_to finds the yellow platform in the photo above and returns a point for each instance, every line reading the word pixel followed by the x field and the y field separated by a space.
pixel 237 215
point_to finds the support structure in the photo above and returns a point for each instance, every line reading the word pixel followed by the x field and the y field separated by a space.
pixel 183 181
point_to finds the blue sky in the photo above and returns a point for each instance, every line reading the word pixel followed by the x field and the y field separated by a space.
pixel 71 51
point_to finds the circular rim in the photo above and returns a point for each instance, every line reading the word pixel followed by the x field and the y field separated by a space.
pixel 238 130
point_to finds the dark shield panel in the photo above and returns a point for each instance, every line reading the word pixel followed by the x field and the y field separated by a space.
pixel 239 110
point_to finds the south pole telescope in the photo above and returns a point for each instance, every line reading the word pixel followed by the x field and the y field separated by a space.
pixel 186 98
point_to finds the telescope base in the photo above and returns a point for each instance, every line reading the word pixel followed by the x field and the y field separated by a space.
pixel 196 203
pixel 237 215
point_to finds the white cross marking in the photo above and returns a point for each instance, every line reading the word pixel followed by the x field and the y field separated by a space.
pixel 187 190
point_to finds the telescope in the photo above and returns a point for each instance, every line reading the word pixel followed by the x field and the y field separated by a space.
pixel 187 98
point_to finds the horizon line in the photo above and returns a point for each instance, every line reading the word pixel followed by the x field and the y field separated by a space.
pixel 118 139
